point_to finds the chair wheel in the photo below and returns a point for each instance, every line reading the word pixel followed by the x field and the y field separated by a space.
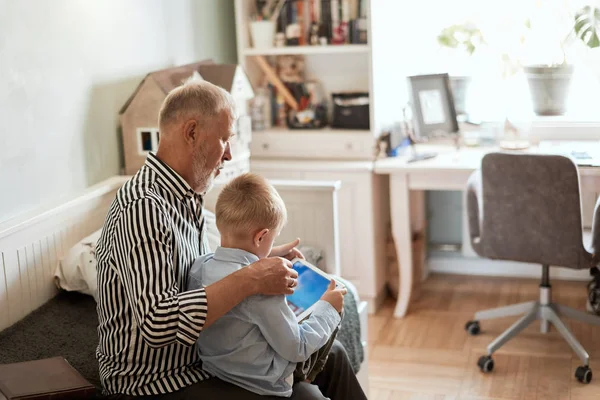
pixel 473 328
pixel 486 364
pixel 583 374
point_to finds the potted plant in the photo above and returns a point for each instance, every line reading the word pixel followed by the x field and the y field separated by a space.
pixel 463 40
pixel 549 81
pixel 549 84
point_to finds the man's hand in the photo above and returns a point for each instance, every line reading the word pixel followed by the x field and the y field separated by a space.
pixel 334 296
pixel 272 276
pixel 287 251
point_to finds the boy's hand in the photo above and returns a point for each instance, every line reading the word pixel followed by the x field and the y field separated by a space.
pixel 287 251
pixel 334 296
pixel 272 276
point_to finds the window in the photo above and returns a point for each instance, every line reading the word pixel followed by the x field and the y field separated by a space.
pixel 147 139
pixel 516 33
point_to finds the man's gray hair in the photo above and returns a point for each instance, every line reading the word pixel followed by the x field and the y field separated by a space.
pixel 195 99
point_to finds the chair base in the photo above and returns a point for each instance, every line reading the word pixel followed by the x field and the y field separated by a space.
pixel 547 313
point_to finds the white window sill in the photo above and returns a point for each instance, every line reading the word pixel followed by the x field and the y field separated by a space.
pixel 493 100
pixel 565 127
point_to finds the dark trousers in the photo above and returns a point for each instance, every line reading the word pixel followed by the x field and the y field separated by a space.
pixel 336 382
pixel 309 369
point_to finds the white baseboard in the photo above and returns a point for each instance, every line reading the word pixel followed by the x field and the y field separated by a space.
pixel 456 264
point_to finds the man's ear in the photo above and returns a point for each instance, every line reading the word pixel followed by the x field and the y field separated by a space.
pixel 260 236
pixel 190 131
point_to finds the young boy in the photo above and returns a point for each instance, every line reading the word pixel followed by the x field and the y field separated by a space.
pixel 259 345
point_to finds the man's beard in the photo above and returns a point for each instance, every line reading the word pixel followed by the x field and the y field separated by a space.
pixel 206 176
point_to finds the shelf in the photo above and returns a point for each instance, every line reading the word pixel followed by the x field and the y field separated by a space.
pixel 329 49
pixel 323 131
pixel 324 144
pixel 309 165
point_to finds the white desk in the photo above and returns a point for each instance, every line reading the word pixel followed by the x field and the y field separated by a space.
pixel 450 170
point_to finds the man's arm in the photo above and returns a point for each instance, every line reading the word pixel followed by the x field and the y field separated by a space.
pixel 164 313
pixel 269 276
pixel 294 342
pixel 225 293
pixel 144 262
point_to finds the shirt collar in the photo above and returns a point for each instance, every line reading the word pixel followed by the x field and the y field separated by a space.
pixel 171 179
pixel 235 256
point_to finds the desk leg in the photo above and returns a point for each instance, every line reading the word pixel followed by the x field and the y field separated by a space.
pixel 401 230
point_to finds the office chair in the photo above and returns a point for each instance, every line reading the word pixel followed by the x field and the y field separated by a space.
pixel 527 208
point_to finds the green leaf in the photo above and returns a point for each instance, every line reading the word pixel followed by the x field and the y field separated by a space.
pixel 465 36
pixel 587 26
pixel 447 41
pixel 470 48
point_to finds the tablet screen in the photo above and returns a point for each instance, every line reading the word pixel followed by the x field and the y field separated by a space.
pixel 311 287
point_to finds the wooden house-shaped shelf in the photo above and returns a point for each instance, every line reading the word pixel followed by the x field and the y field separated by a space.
pixel 139 115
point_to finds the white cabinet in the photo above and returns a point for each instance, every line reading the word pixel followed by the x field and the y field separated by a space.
pixel 363 217
pixel 346 155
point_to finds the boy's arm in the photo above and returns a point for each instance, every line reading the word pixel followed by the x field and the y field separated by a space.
pixel 294 342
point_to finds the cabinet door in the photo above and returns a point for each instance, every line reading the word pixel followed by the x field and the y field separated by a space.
pixel 277 173
pixel 357 259
pixel 359 262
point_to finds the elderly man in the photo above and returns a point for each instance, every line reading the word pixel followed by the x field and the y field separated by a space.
pixel 148 325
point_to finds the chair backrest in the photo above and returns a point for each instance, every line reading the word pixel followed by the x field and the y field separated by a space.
pixel 532 210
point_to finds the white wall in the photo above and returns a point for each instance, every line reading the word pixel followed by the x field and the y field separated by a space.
pixel 67 66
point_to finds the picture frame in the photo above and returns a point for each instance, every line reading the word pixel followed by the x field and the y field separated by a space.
pixel 434 111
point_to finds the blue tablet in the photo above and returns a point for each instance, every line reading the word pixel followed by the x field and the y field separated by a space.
pixel 312 283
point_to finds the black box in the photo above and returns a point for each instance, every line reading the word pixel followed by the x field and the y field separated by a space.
pixel 350 110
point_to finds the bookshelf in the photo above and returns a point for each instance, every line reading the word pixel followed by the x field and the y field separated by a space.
pixel 345 155
pixel 337 67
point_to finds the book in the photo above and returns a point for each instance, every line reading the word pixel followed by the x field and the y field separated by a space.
pixel 47 378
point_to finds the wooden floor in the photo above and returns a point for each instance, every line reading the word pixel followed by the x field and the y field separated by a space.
pixel 429 356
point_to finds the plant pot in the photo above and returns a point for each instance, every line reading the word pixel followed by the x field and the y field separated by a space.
pixel 263 34
pixel 460 86
pixel 549 88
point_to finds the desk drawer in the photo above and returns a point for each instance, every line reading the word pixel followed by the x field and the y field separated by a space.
pixel 313 144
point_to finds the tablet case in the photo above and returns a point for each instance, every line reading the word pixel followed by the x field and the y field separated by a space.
pixel 50 378
pixel 296 301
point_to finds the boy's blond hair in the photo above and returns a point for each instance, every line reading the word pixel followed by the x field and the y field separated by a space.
pixel 249 203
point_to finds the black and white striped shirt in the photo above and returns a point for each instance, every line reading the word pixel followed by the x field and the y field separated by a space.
pixel 147 325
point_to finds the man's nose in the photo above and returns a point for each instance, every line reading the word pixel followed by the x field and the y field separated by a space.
pixel 227 153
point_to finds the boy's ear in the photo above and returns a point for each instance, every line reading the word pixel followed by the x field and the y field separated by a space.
pixel 259 236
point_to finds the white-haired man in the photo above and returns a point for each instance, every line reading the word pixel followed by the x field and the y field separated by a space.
pixel 154 231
